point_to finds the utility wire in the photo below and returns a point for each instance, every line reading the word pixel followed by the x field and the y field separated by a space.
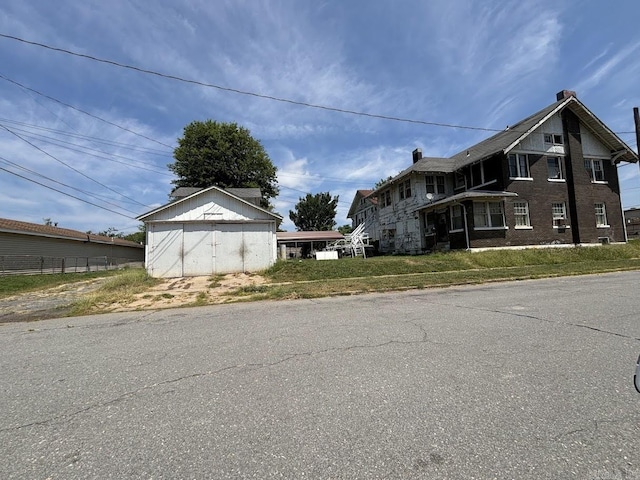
pixel 67 194
pixel 70 167
pixel 78 109
pixel 244 92
pixel 96 196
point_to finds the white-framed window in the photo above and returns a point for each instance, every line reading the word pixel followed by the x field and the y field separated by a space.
pixel 435 183
pixel 457 222
pixel 555 168
pixel 521 213
pixel 459 180
pixel 601 215
pixel 488 215
pixel 405 189
pixel 553 139
pixel 385 198
pixel 518 166
pixel 595 169
pixel 559 213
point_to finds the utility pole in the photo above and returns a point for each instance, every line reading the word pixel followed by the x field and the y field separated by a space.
pixel 636 117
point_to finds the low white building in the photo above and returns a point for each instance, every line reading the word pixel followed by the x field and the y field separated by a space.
pixel 209 232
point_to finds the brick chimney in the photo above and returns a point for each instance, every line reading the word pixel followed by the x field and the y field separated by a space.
pixel 417 155
pixel 565 94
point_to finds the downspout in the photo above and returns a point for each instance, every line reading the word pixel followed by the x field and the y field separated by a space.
pixel 466 226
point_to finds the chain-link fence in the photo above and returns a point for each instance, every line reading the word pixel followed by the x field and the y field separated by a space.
pixel 32 264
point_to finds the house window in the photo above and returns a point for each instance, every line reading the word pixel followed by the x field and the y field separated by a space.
pixel 559 212
pixel 456 217
pixel 405 189
pixel 518 166
pixel 488 215
pixel 435 183
pixel 595 169
pixel 460 181
pixel 601 215
pixel 553 139
pixel 554 166
pixel 477 174
pixel 385 198
pixel 521 213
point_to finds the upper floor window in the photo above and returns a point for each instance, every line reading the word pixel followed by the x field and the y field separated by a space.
pixel 404 189
pixel 594 168
pixel 435 183
pixel 460 181
pixel 518 166
pixel 385 198
pixel 555 168
pixel 553 139
pixel 488 215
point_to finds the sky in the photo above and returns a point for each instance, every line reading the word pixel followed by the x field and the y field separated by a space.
pixel 87 143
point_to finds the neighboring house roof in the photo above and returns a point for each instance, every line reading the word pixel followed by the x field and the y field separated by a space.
pixel 25 228
pixel 309 236
pixel 507 140
pixel 361 194
pixel 202 191
pixel 182 192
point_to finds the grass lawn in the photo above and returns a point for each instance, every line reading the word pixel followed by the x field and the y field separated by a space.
pixel 15 284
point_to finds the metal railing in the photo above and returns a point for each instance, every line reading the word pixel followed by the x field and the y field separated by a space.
pixel 33 264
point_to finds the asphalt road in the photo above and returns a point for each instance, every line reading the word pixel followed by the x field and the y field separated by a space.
pixel 510 381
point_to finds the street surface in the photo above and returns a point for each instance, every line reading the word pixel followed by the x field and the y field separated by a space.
pixel 521 380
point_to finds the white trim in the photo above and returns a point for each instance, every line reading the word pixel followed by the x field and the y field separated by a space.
pixel 556 180
pixel 563 227
pixel 600 182
pixel 490 182
pixel 528 179
pixel 491 228
pixel 457 230
pixel 523 227
pixel 603 226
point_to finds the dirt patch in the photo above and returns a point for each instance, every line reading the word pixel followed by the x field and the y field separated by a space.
pixel 171 293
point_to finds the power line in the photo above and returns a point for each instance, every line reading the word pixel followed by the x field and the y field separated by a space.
pixel 80 110
pixel 94 195
pixel 87 150
pixel 67 194
pixel 244 92
pixel 70 167
pixel 240 92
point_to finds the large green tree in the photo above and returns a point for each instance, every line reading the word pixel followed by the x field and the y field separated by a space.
pixel 315 212
pixel 225 155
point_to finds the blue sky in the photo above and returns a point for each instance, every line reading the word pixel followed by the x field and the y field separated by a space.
pixel 462 62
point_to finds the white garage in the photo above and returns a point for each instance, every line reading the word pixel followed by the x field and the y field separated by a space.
pixel 208 232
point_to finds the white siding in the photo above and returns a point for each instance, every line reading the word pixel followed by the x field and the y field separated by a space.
pixel 198 248
pixel 535 141
pixel 591 146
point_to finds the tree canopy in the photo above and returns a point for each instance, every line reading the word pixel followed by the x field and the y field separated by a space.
pixel 225 155
pixel 315 212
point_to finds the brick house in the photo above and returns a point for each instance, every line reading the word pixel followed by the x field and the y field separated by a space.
pixel 549 179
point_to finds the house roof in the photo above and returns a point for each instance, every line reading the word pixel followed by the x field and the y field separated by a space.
pixel 26 228
pixel 182 192
pixel 309 236
pixel 361 194
pixel 201 192
pixel 508 139
pixel 467 195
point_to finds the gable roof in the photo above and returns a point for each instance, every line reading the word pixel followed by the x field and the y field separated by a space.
pixel 356 198
pixel 26 228
pixel 201 192
pixel 508 139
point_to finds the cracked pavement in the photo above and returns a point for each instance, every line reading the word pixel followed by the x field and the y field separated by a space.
pixel 519 380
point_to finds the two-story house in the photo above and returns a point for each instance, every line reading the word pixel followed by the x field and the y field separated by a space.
pixel 549 179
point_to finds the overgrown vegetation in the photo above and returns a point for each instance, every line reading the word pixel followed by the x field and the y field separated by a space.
pixel 15 284
pixel 119 289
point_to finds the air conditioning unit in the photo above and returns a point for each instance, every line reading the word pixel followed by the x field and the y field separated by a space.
pixel 560 222
pixel 604 240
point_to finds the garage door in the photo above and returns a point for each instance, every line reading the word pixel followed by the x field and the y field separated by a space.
pixel 165 244
pixel 243 247
pixel 198 249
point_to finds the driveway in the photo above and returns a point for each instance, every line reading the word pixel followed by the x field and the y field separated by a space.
pixel 526 380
